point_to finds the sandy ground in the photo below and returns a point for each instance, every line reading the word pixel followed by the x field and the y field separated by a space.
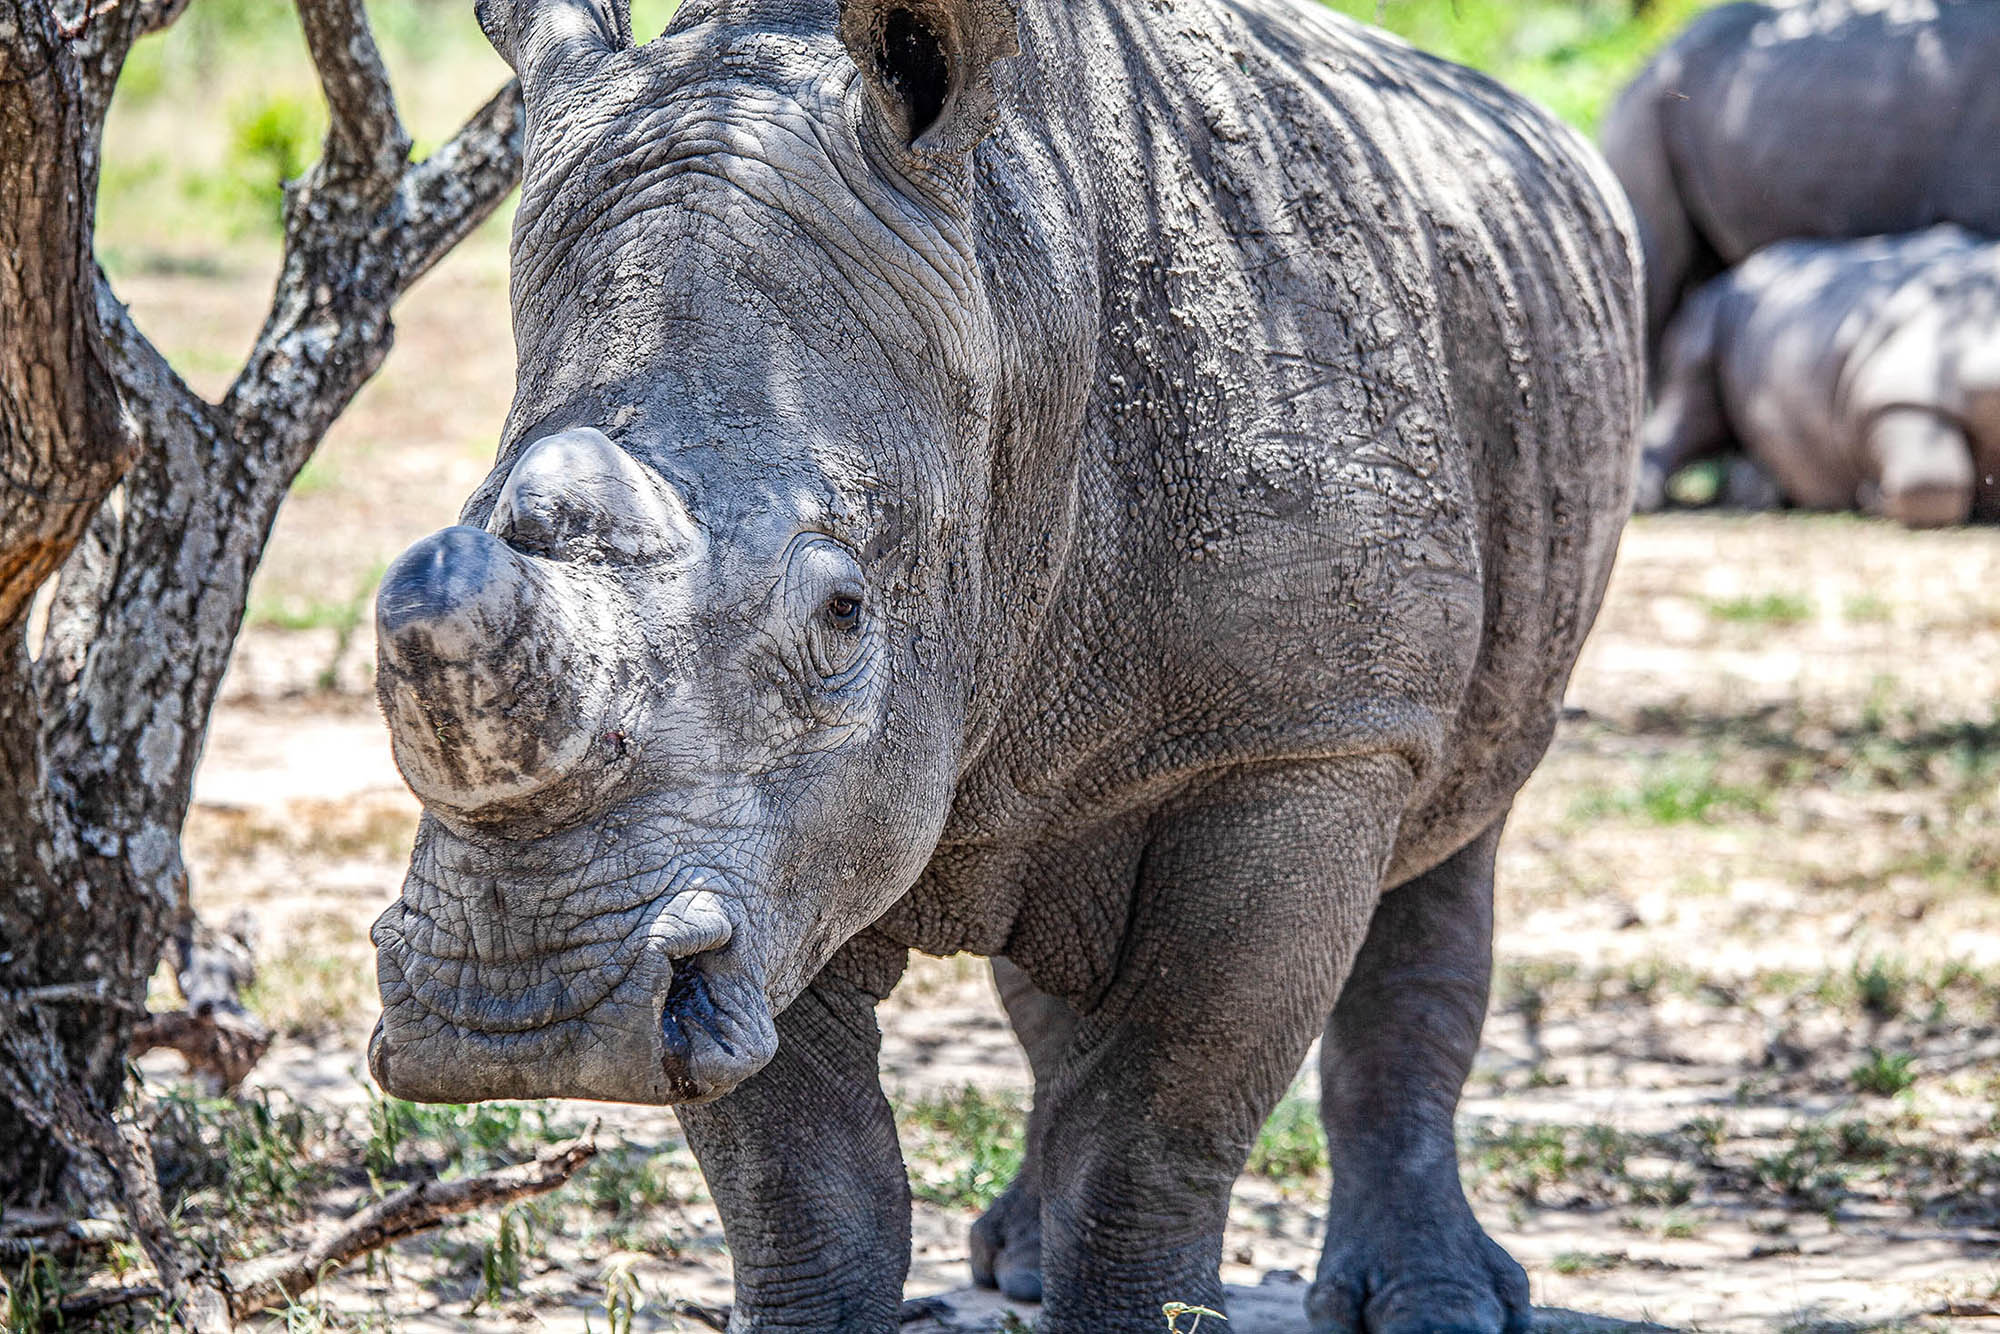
pixel 1762 855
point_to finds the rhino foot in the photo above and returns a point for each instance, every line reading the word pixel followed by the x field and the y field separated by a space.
pixel 1418 1277
pixel 1007 1245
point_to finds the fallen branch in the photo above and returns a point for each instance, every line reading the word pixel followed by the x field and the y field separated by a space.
pixel 220 1046
pixel 255 1286
pixel 52 1234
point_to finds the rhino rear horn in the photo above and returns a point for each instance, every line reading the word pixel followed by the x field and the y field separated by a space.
pixel 543 38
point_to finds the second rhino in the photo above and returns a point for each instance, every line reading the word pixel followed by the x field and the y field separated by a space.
pixel 1855 374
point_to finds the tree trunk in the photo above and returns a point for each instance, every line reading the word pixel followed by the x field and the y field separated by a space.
pixel 155 506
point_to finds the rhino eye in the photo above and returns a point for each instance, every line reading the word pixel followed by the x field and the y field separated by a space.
pixel 843 611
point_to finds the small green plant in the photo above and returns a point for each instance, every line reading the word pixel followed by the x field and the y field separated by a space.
pixel 976 1137
pixel 1765 609
pixel 35 1293
pixel 451 1139
pixel 500 1262
pixel 259 1154
pixel 1570 1263
pixel 1676 790
pixel 1175 1311
pixel 623 1298
pixel 1865 607
pixel 273 139
pixel 1883 1074
pixel 1880 985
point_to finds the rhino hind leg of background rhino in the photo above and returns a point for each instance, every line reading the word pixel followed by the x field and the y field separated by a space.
pixel 1403 1248
pixel 1925 464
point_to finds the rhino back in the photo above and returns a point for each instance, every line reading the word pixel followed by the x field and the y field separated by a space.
pixel 1837 118
pixel 1355 443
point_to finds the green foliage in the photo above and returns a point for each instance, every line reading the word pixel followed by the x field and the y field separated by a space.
pixel 1883 1074
pixel 257 1158
pixel 500 1261
pixel 964 1147
pixel 1764 609
pixel 1880 986
pixel 1570 55
pixel 272 140
pixel 35 1293
pixel 1291 1148
pixel 1678 789
pixel 408 1138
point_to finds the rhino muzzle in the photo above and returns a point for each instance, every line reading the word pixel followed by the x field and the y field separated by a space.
pixel 656 1007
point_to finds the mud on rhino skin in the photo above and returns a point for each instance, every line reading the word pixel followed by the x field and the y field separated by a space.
pixel 1110 486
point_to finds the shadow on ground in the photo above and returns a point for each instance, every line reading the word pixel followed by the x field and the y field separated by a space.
pixel 1275 1307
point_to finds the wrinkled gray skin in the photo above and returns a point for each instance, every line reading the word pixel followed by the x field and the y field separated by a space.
pixel 1825 120
pixel 1118 507
pixel 1854 373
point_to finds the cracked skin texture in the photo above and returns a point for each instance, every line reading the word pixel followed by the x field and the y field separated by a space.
pixel 1147 470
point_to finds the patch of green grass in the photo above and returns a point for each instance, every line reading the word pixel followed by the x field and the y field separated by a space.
pixel 1291 1148
pixel 344 616
pixel 964 1148
pixel 630 1182
pixel 500 1261
pixel 35 1292
pixel 255 1160
pixel 1762 609
pixel 1676 790
pixel 1573 1263
pixel 1880 987
pixel 1866 608
pixel 408 1138
pixel 307 992
pixel 1883 1074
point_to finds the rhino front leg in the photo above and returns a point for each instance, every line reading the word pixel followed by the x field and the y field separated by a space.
pixel 1688 421
pixel 1007 1239
pixel 1250 901
pixel 1404 1255
pixel 803 1163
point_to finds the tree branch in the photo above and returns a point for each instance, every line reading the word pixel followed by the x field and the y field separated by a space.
pixel 365 137
pixel 62 446
pixel 456 188
pixel 255 1286
pixel 258 1285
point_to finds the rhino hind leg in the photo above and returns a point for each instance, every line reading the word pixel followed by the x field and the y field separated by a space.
pixel 1925 468
pixel 1007 1239
pixel 1403 1252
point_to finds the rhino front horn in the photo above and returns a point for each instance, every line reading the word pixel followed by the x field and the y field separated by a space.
pixel 490 691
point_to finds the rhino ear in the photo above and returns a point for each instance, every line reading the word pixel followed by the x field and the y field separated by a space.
pixel 928 66
pixel 541 38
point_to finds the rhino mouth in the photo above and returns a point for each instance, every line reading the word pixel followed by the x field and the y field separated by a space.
pixel 667 1009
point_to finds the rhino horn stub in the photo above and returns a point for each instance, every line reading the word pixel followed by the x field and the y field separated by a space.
pixel 578 496
pixel 489 692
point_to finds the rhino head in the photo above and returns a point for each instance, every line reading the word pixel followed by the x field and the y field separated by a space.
pixel 685 693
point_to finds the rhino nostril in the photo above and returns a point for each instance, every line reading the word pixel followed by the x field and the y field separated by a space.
pixel 689 1008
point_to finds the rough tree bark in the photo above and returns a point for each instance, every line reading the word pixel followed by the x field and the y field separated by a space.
pixel 155 506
